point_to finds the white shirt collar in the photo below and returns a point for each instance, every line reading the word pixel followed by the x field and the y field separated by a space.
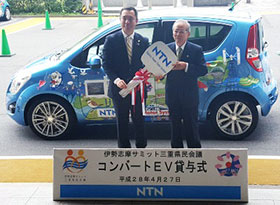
pixel 125 35
pixel 183 46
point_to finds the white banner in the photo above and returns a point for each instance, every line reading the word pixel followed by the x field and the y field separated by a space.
pixel 151 174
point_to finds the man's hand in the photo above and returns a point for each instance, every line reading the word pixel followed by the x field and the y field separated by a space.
pixel 179 65
pixel 158 78
pixel 121 84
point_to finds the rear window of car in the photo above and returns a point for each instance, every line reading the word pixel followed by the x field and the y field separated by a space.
pixel 207 35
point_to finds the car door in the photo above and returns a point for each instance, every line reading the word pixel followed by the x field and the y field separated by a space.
pixel 94 101
pixel 92 86
pixel 154 111
pixel 211 37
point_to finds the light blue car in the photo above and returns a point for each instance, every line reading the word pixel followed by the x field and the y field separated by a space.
pixel 5 13
pixel 58 91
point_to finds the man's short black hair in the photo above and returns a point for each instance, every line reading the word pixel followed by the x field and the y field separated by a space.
pixel 130 9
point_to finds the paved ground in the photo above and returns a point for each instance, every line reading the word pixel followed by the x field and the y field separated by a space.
pixel 41 193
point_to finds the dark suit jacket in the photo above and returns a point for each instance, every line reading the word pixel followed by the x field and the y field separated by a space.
pixel 115 59
pixel 181 85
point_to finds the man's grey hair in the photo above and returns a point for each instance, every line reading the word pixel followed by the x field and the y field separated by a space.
pixel 184 22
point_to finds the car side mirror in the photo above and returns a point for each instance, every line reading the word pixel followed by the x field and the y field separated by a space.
pixel 94 62
pixel 265 44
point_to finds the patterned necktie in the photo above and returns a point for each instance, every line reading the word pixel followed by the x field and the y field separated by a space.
pixel 129 47
pixel 179 53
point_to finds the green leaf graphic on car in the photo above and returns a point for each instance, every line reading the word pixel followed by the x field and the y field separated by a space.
pixel 248 81
pixel 217 71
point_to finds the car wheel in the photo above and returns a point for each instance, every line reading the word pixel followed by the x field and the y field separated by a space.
pixel 51 117
pixel 7 15
pixel 234 118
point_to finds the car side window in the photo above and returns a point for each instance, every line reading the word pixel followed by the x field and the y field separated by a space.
pixel 82 59
pixel 96 49
pixel 199 34
pixel 217 34
pixel 207 35
pixel 146 30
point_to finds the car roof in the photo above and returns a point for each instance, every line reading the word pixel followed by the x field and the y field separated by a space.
pixel 200 13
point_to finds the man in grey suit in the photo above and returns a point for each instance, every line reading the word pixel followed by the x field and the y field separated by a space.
pixel 121 60
pixel 182 96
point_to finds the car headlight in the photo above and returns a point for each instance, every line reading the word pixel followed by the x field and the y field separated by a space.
pixel 20 79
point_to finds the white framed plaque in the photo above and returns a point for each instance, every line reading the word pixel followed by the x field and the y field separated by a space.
pixel 151 174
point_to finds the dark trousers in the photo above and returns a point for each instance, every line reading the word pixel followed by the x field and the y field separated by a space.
pixel 122 108
pixel 184 116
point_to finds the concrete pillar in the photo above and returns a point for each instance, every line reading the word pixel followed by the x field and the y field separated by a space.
pixel 139 3
pixel 86 3
pixel 150 4
pixel 177 3
pixel 190 3
pixel 174 3
pixel 124 3
pixel 102 5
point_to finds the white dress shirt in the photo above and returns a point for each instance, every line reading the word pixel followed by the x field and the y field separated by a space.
pixel 131 38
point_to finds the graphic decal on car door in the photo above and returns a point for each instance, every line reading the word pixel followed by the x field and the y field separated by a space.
pixel 222 73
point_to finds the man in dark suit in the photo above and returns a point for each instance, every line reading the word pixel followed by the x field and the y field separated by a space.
pixel 121 60
pixel 182 96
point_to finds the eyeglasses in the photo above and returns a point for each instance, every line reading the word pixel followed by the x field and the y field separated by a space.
pixel 180 31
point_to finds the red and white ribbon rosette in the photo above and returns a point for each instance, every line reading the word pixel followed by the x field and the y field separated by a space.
pixel 137 83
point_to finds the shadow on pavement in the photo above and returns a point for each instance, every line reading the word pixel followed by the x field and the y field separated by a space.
pixel 153 131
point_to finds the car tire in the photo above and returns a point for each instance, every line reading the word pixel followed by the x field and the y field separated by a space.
pixel 234 118
pixel 7 15
pixel 51 117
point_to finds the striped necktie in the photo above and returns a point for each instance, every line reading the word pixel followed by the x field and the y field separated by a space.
pixel 179 53
pixel 129 47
